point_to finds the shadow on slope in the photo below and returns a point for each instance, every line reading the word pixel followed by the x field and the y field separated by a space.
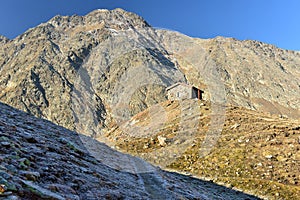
pixel 40 160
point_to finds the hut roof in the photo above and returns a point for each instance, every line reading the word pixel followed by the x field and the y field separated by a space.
pixel 179 83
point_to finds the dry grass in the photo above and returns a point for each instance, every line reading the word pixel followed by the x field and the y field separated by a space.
pixel 257 152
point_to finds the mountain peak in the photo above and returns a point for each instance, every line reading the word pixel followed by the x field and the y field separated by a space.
pixel 116 16
pixel 117 19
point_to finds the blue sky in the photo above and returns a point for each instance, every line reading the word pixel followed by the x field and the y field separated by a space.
pixel 272 21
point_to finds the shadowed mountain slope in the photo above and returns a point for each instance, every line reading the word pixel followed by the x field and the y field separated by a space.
pixel 40 160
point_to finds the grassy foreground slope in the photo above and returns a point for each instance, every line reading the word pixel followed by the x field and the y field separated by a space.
pixel 257 152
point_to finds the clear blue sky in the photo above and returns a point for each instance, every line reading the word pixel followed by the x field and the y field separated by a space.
pixel 272 21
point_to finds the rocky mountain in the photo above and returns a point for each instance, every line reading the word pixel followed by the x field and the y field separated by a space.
pixel 93 73
pixel 254 75
pixel 40 160
pixel 40 68
pixel 115 53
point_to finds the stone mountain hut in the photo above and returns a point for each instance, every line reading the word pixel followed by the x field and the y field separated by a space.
pixel 180 91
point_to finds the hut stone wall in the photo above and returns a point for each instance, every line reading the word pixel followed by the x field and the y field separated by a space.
pixel 180 91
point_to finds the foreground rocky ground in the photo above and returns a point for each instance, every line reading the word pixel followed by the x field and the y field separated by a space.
pixel 256 152
pixel 40 160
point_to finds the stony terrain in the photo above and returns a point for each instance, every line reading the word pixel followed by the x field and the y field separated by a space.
pixel 40 160
pixel 256 152
pixel 93 73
